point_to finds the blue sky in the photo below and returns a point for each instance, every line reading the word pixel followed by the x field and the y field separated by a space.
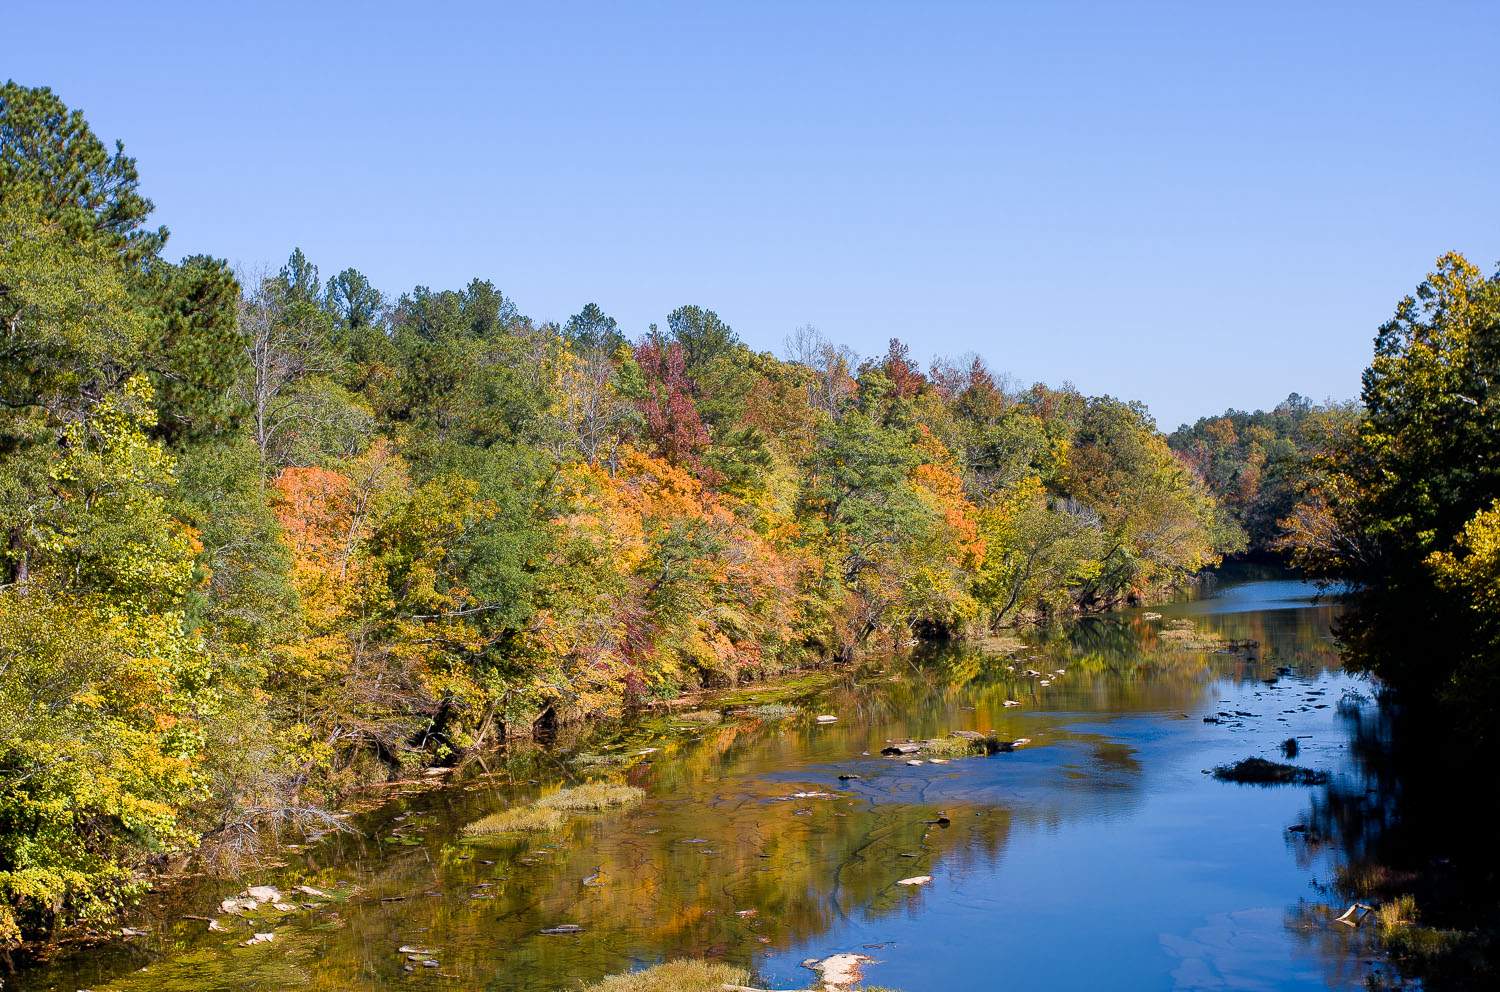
pixel 1188 204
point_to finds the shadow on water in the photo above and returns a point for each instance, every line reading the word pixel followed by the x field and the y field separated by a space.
pixel 1099 855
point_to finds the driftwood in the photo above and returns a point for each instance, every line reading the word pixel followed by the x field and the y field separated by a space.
pixel 1355 914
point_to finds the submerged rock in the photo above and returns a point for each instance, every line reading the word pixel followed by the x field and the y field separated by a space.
pixel 562 929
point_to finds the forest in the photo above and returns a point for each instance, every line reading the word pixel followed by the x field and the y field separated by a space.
pixel 271 537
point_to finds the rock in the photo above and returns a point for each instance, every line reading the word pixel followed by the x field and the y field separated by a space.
pixel 131 932
pixel 420 951
pixel 562 929
pixel 906 747
pixel 308 890
pixel 282 907
pixel 914 762
pixel 214 926
pixel 1012 702
pixel 435 771
pixel 839 971
pixel 262 893
pixel 849 777
pixel 915 880
pixel 827 718
pixel 260 938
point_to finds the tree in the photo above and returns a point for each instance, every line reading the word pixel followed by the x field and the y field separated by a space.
pixel 89 191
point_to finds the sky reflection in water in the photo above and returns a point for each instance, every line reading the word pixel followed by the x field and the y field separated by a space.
pixel 1099 856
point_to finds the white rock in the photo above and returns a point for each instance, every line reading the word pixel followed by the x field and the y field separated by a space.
pixel 915 880
pixel 839 971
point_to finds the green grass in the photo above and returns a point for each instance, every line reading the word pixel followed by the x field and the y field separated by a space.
pixel 953 747
pixel 675 976
pixel 592 797
pixel 517 820
pixel 772 711
pixel 685 976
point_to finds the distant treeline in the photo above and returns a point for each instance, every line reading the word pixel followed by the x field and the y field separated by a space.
pixel 265 539
pixel 1257 463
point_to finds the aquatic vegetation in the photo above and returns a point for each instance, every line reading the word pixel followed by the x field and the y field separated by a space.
pixel 1259 771
pixel 520 819
pixel 675 976
pixel 772 711
pixel 1185 634
pixel 700 716
pixel 955 747
pixel 592 797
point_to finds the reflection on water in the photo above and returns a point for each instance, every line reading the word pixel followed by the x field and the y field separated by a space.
pixel 1098 856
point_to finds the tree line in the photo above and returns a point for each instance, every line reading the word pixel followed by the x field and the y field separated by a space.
pixel 266 539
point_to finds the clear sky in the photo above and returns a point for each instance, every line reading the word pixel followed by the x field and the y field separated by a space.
pixel 1192 205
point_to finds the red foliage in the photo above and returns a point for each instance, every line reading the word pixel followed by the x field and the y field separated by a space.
pixel 673 424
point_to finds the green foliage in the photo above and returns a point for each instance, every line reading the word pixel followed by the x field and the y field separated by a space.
pixel 264 544
pixel 1256 463
pixel 1403 503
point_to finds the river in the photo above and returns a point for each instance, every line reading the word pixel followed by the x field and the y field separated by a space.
pixel 1099 855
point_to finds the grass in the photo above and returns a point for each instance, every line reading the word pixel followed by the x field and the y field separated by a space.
pixel 1394 915
pixel 954 747
pixel 772 711
pixel 518 820
pixel 592 797
pixel 675 976
pixel 1184 634
pixel 684 976
pixel 700 716
pixel 1259 771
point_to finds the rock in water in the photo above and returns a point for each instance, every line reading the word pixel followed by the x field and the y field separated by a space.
pixel 839 971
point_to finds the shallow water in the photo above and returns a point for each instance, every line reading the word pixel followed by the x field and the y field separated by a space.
pixel 1101 855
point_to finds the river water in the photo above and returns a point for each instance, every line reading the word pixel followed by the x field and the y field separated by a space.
pixel 1099 856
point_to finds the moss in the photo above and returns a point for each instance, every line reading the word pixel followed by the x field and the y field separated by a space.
pixel 592 797
pixel 675 976
pixel 1259 771
pixel 781 691
pixel 518 820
